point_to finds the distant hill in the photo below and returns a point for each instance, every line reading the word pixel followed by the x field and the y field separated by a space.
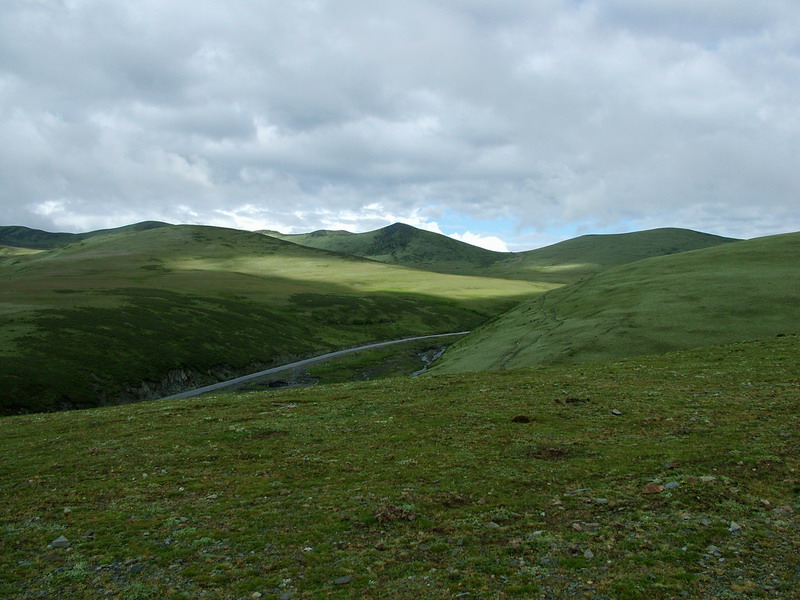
pixel 564 262
pixel 25 237
pixel 732 292
pixel 140 314
pixel 586 255
pixel 401 244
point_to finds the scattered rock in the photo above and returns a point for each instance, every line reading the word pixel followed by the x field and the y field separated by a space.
pixel 671 485
pixel 342 580
pixel 588 554
pixel 601 500
pixel 521 419
pixel 60 542
pixel 67 511
pixel 616 413
pixel 653 488
pixel 492 525
pixel 256 595
pixel 577 527
pixel 734 527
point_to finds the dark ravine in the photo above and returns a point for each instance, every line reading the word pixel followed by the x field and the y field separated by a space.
pixel 245 378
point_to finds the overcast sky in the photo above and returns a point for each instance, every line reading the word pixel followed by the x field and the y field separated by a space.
pixel 507 123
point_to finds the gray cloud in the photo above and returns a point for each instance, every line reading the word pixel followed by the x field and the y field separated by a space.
pixel 553 118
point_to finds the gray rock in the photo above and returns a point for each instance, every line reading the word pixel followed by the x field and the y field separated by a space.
pixel 616 412
pixel 492 525
pixel 588 554
pixel 60 542
pixel 342 580
pixel 734 527
pixel 671 485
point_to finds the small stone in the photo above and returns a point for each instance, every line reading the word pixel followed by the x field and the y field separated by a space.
pixel 653 488
pixel 67 511
pixel 538 533
pixel 577 527
pixel 671 485
pixel 588 554
pixel 705 522
pixel 256 595
pixel 601 500
pixel 60 542
pixel 734 527
pixel 616 413
pixel 492 525
pixel 342 580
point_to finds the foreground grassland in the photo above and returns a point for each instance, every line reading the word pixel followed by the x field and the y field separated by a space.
pixel 662 477
pixel 140 314
pixel 738 291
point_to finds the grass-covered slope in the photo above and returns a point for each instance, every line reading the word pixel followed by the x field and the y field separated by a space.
pixel 652 478
pixel 25 237
pixel 564 262
pixel 404 245
pixel 731 292
pixel 135 315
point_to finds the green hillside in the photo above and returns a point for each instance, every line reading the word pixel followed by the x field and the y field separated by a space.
pixel 738 291
pixel 25 237
pixel 141 314
pixel 649 479
pixel 581 257
pixel 564 262
pixel 404 245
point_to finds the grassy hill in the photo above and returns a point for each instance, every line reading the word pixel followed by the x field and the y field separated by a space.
pixel 581 257
pixel 404 245
pixel 564 262
pixel 651 478
pixel 139 314
pixel 25 237
pixel 731 292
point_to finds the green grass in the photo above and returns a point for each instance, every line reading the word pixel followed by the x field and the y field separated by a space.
pixel 423 487
pixel 737 291
pixel 118 317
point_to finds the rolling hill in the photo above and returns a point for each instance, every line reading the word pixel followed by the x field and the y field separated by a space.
pixel 739 291
pixel 139 314
pixel 36 239
pixel 564 262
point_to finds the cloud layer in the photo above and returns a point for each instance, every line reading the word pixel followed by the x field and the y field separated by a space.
pixel 557 117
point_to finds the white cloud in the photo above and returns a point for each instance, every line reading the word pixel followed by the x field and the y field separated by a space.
pixel 489 242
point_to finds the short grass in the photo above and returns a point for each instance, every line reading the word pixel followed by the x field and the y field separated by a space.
pixel 142 314
pixel 737 291
pixel 519 484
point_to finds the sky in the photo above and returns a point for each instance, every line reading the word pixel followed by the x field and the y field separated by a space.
pixel 509 124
